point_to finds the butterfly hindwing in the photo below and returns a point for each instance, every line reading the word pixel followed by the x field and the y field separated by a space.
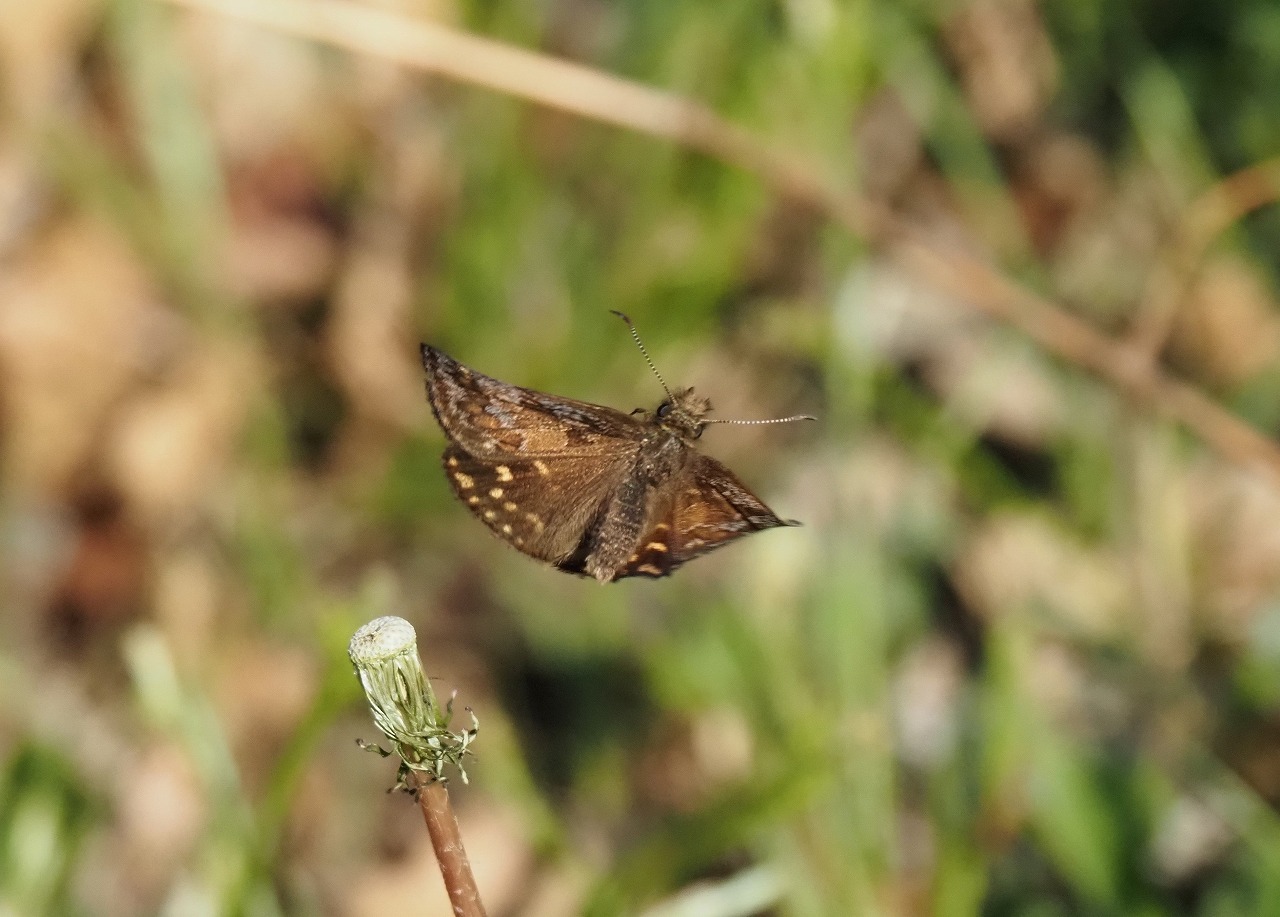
pixel 541 507
pixel 711 508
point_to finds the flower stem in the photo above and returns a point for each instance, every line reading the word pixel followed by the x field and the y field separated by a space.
pixel 455 868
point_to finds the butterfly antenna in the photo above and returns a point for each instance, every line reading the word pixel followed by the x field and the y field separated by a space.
pixel 771 420
pixel 639 343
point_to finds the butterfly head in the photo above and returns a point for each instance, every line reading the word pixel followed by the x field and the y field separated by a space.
pixel 683 413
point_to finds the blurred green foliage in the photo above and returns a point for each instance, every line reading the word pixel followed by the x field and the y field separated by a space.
pixel 800 638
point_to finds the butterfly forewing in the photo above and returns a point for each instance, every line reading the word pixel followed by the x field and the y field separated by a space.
pixel 494 420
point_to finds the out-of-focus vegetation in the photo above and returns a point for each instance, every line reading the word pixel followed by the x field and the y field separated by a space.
pixel 1023 659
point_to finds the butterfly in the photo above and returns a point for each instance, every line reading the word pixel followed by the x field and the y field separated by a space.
pixel 587 488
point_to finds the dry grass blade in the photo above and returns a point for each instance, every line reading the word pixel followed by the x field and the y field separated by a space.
pixel 446 840
pixel 608 99
pixel 1210 215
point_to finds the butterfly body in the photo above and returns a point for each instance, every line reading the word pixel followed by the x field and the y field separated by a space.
pixel 587 488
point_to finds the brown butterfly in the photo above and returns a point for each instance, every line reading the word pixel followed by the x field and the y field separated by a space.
pixel 586 488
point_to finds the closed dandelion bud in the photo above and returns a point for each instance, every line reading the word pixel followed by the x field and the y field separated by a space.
pixel 385 655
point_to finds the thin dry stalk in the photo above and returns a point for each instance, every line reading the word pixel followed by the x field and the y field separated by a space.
pixel 609 99
pixel 446 838
pixel 1210 215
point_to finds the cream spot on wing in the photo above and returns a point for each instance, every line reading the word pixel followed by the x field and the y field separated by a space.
pixel 504 473
pixel 453 461
pixel 536 520
pixel 490 514
pixel 496 493
pixel 473 499
pixel 519 541
pixel 656 546
pixel 509 506
pixel 661 527
pixel 506 530
pixel 542 467
pixel 465 481
pixel 649 568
